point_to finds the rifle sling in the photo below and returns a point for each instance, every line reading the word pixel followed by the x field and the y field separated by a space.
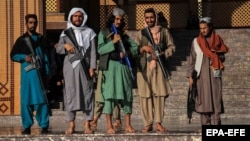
pixel 70 34
pixel 28 43
pixel 148 35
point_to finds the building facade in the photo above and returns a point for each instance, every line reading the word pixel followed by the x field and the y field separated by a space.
pixel 52 15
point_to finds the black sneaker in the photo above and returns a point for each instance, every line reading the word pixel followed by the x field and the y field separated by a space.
pixel 26 131
pixel 45 131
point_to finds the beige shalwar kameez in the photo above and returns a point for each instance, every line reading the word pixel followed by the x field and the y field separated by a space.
pixel 153 88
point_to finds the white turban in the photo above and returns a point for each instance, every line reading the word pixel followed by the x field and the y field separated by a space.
pixel 72 12
pixel 206 19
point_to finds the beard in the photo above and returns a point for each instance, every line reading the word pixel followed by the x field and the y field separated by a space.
pixel 77 23
pixel 151 24
pixel 209 34
pixel 32 29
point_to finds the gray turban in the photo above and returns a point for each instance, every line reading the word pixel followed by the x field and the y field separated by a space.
pixel 118 11
pixel 206 19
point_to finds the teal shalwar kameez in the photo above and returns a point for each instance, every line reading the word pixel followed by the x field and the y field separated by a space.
pixel 32 97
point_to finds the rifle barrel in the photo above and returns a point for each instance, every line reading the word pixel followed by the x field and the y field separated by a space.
pixel 157 53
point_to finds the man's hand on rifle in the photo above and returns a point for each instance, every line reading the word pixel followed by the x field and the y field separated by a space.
pixel 69 48
pixel 152 64
pixel 147 49
pixel 91 72
pixel 28 59
pixel 122 55
pixel 191 82
pixel 116 38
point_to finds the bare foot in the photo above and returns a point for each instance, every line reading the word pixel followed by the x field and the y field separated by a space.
pixel 117 125
pixel 111 131
pixel 93 125
pixel 88 131
pixel 69 131
pixel 71 128
pixel 130 129
pixel 87 128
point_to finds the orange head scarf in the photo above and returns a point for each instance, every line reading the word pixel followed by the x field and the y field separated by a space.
pixel 211 48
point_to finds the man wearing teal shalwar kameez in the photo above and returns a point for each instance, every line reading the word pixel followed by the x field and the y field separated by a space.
pixel 32 96
pixel 116 86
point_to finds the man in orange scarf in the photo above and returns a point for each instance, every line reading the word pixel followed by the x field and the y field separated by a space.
pixel 206 58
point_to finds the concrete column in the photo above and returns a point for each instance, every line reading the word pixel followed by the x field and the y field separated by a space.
pixel 193 6
pixel 130 9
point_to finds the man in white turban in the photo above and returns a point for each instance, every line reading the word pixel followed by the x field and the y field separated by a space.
pixel 79 64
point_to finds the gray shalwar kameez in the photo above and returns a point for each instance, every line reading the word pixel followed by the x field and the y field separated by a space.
pixel 78 94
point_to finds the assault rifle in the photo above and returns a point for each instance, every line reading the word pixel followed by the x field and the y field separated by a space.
pixel 122 49
pixel 192 94
pixel 78 56
pixel 36 64
pixel 146 32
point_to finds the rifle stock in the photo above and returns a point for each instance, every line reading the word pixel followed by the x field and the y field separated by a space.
pixel 146 32
pixel 122 49
pixel 71 35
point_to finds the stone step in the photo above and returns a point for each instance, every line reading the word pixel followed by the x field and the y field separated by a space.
pixel 228 82
pixel 228 71
pixel 231 61
pixel 176 115
pixel 231 103
pixel 106 137
pixel 184 47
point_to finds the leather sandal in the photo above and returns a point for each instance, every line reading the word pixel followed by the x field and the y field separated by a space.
pixel 87 127
pixel 147 129
pixel 161 129
pixel 93 126
pixel 117 126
